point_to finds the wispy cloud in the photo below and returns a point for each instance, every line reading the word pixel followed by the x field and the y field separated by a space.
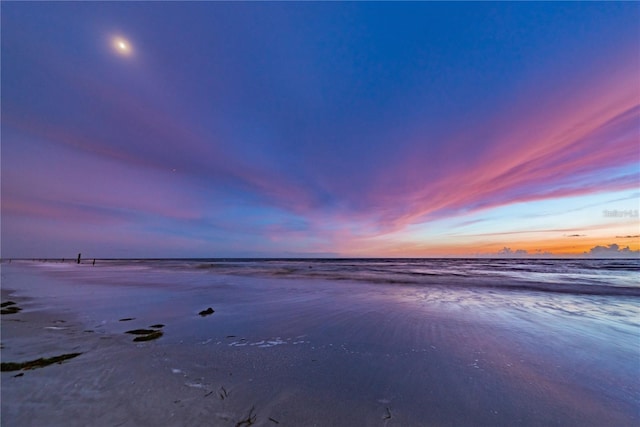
pixel 573 156
pixel 321 142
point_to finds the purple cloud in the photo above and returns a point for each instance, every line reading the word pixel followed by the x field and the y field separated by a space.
pixel 612 251
pixel 313 131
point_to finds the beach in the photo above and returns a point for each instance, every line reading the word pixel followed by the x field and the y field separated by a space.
pixel 294 344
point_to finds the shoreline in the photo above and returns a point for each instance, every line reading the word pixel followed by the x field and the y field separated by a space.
pixel 331 354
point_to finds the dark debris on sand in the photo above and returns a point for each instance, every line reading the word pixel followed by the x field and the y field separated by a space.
pixel 250 420
pixel 38 363
pixel 387 416
pixel 140 331
pixel 152 336
pixel 9 307
pixel 206 312
pixel 147 334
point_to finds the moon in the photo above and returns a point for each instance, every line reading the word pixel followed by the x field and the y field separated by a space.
pixel 121 46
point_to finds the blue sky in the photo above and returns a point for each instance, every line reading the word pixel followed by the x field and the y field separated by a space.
pixel 319 129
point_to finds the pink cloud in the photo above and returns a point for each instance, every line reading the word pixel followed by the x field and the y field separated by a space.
pixel 563 151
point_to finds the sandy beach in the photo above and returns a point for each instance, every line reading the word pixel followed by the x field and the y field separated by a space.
pixel 319 213
pixel 290 352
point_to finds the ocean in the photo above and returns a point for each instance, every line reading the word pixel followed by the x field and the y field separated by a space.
pixel 407 342
pixel 578 276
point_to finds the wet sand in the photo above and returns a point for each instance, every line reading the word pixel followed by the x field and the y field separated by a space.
pixel 280 352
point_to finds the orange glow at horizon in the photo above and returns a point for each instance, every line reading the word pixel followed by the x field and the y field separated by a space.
pixel 558 248
pixel 569 244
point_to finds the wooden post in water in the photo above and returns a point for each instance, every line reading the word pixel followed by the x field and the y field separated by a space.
pixel 79 256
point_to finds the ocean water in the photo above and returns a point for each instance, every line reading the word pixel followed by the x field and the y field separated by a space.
pixel 603 289
pixel 576 276
pixel 341 341
pixel 561 292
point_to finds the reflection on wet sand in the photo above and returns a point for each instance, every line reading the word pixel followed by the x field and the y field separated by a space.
pixel 297 351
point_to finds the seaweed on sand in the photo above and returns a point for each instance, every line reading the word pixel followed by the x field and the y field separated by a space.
pixel 38 363
pixel 140 331
pixel 9 307
pixel 147 334
pixel 152 336
pixel 251 418
pixel 387 415
pixel 206 312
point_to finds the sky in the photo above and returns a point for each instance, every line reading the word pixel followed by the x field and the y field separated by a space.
pixel 206 129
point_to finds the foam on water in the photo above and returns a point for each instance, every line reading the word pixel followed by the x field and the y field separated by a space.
pixel 578 276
